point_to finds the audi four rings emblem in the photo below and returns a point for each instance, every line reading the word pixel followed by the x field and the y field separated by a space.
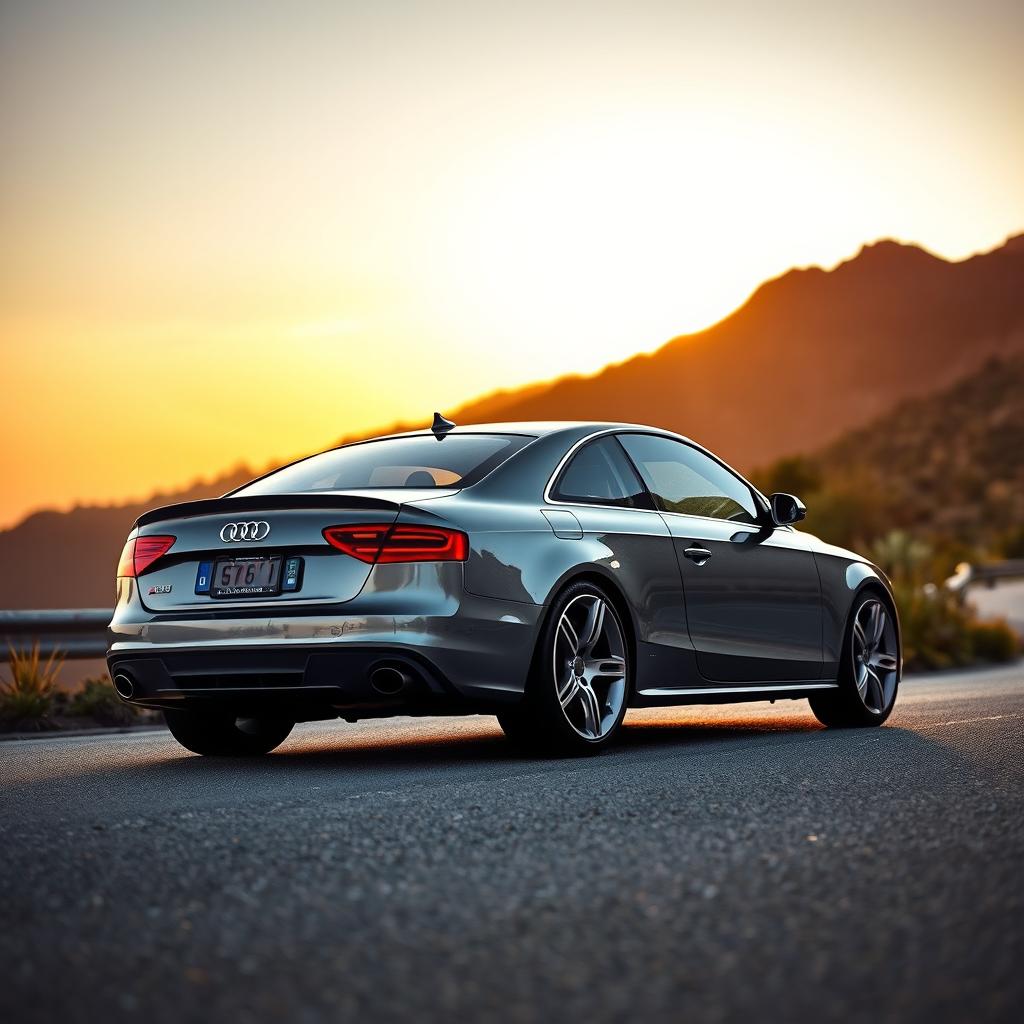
pixel 245 531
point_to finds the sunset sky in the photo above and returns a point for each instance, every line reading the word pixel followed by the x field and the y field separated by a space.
pixel 238 231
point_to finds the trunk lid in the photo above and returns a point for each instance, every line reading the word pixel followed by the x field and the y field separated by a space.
pixel 289 526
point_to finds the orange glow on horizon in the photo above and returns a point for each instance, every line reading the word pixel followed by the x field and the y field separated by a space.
pixel 338 219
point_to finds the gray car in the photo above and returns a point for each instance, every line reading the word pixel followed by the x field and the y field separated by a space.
pixel 552 574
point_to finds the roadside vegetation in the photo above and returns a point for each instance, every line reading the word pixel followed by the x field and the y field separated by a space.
pixel 30 692
pixel 31 700
pixel 97 699
pixel 856 508
pixel 940 629
pixel 936 482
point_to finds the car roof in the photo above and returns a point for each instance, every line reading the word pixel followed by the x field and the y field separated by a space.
pixel 538 428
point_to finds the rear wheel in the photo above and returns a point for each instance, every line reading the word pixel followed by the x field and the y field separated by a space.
pixel 577 693
pixel 225 735
pixel 869 671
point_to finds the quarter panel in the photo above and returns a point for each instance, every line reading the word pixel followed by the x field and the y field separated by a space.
pixel 634 548
pixel 516 556
pixel 843 574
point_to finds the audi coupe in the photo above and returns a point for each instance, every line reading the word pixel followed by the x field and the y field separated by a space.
pixel 551 574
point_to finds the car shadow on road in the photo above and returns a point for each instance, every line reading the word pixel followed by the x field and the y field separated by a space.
pixel 479 743
pixel 449 751
pixel 481 738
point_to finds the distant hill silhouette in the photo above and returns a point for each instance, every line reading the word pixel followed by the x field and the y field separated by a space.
pixel 811 356
pixel 67 559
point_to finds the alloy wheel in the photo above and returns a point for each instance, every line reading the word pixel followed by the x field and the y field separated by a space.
pixel 875 664
pixel 590 666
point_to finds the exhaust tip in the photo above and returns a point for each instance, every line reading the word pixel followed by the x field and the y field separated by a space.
pixel 389 680
pixel 124 686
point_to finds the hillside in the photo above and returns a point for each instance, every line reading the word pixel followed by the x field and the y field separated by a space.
pixel 67 559
pixel 948 467
pixel 810 357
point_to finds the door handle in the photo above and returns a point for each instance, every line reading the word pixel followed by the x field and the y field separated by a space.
pixel 698 555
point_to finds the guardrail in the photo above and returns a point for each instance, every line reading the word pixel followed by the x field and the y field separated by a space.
pixel 968 575
pixel 75 632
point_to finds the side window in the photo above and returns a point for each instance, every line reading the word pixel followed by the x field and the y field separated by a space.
pixel 685 480
pixel 600 474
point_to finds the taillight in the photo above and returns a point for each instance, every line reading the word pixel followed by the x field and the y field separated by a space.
pixel 141 552
pixel 378 543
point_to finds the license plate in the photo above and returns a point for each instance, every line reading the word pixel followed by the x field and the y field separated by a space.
pixel 258 576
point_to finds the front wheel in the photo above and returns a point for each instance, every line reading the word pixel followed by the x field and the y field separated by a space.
pixel 869 673
pixel 226 735
pixel 577 692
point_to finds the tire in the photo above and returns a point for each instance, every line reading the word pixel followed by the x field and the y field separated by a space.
pixel 579 685
pixel 869 669
pixel 224 735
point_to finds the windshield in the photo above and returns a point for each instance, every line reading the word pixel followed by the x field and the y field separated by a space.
pixel 457 460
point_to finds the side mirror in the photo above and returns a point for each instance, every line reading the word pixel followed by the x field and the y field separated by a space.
pixel 787 509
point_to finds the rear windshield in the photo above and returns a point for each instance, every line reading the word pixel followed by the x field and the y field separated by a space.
pixel 457 460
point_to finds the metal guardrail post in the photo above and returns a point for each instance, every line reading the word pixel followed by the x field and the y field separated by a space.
pixel 968 575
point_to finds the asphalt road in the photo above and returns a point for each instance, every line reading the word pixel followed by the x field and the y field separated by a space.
pixel 724 864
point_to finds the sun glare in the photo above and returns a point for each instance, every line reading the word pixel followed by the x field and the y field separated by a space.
pixel 362 215
pixel 617 234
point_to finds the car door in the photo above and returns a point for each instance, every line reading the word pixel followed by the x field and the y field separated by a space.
pixel 752 592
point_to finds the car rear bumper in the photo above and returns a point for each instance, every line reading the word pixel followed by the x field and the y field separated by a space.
pixel 322 665
pixel 299 681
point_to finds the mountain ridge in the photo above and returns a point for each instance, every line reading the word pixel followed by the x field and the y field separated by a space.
pixel 876 300
pixel 947 468
pixel 812 355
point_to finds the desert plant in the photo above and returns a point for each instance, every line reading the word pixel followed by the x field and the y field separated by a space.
pixel 29 695
pixel 96 699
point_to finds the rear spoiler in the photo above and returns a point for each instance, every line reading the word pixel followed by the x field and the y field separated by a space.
pixel 265 503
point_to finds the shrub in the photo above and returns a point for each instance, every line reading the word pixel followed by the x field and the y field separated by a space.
pixel 97 699
pixel 941 632
pixel 994 641
pixel 935 626
pixel 902 556
pixel 1013 543
pixel 29 696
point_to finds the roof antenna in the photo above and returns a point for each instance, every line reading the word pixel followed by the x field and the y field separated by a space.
pixel 441 426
